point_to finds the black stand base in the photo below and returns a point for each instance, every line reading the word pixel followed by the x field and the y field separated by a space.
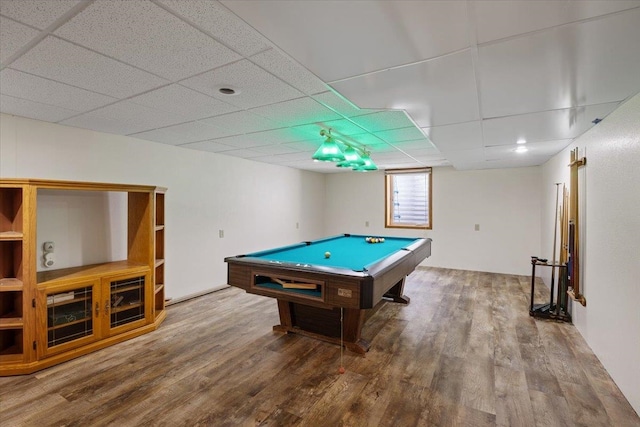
pixel 548 311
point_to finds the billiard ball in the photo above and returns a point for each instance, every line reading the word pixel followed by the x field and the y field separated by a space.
pixel 327 254
pixel 382 240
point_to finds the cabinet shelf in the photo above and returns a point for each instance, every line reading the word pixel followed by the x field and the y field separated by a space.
pixel 125 289
pixel 67 324
pixel 125 307
pixel 90 271
pixel 11 321
pixel 68 301
pixel 159 227
pixel 159 262
pixel 158 287
pixel 11 235
pixel 10 284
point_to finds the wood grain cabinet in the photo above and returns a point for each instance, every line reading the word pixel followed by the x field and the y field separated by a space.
pixel 52 316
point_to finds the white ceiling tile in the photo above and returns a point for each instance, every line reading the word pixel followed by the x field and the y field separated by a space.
pixel 254 86
pixel 544 126
pixel 275 149
pixel 124 118
pixel 383 120
pixel 240 122
pixel 296 157
pixel 146 36
pixel 13 36
pixel 461 136
pixel 34 88
pixel 181 100
pixel 339 128
pixel 244 153
pixel 335 40
pixel 381 148
pixel 395 136
pixel 216 20
pixel 418 144
pixel 290 71
pixel 296 112
pixel 546 148
pixel 211 146
pixel 309 146
pixel 564 67
pixel 256 139
pixel 195 131
pixel 340 104
pixel 58 60
pixel 465 156
pixel 435 92
pixel 38 13
pixel 160 135
pixel 33 110
pixel 500 19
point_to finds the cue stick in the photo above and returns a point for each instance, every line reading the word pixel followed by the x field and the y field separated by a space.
pixel 553 258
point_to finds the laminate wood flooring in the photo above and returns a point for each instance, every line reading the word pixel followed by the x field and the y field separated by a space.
pixel 465 352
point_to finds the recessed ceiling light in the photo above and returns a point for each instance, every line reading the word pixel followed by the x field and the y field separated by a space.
pixel 521 150
pixel 521 141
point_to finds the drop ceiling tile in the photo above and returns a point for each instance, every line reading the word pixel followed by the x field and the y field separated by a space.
pixel 34 88
pixel 400 165
pixel 146 36
pixel 217 21
pixel 309 146
pixel 383 120
pixel 290 71
pixel 461 136
pixel 465 156
pixel 500 19
pixel 37 13
pixel 339 128
pixel 296 112
pixel 195 131
pixel 181 100
pixel 33 110
pixel 13 36
pixel 336 40
pixel 440 91
pixel 340 104
pixel 396 136
pixel 421 144
pixel 240 122
pixel 254 86
pixel 275 149
pixel 64 62
pixel 297 157
pixel 545 148
pixel 124 118
pixel 161 135
pixel 270 137
pixel 393 156
pixel 211 146
pixel 381 148
pixel 544 126
pixel 243 153
pixel 568 66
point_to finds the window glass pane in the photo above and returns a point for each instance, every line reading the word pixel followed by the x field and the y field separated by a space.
pixel 408 198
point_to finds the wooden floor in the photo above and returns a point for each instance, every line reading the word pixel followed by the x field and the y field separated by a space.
pixel 464 352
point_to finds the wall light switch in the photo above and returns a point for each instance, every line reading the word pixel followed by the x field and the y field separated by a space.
pixel 221 233
pixel 477 227
pixel 366 223
pixel 48 246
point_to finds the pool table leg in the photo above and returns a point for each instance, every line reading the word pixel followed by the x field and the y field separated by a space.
pixel 395 293
pixel 353 319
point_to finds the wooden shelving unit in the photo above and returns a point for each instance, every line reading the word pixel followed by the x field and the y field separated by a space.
pixel 52 316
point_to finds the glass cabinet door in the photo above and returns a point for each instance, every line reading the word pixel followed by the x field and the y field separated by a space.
pixel 126 302
pixel 71 312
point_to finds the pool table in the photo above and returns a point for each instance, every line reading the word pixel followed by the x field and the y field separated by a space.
pixel 318 282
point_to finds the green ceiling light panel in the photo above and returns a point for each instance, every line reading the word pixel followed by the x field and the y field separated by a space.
pixel 329 151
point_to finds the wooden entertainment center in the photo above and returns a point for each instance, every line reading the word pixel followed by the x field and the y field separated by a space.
pixel 52 316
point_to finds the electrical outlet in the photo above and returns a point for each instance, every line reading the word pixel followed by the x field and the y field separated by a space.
pixel 477 227
pixel 297 225
pixel 366 223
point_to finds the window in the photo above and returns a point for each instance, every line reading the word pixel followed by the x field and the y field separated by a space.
pixel 408 198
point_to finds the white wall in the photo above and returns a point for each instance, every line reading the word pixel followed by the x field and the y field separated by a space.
pixel 504 202
pixel 610 322
pixel 257 205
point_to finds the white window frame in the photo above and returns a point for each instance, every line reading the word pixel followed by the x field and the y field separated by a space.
pixel 392 199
